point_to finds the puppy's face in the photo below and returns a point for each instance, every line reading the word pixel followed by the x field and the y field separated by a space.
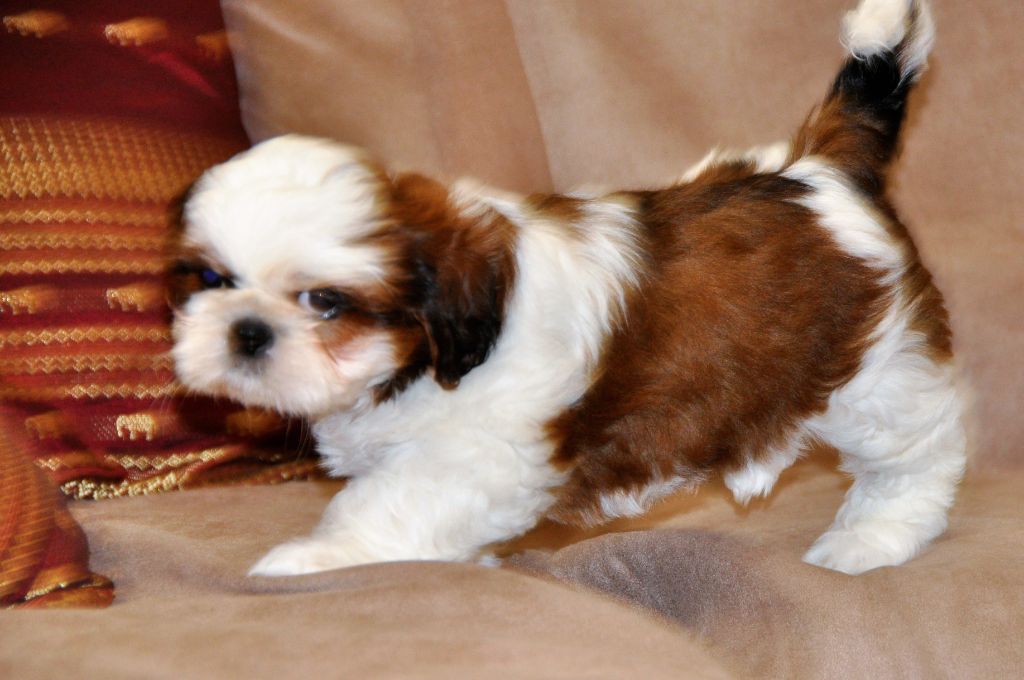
pixel 308 282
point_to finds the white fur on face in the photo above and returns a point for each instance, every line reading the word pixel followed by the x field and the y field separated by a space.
pixel 290 213
pixel 300 375
pixel 284 217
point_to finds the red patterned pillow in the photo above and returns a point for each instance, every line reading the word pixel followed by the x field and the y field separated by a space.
pixel 43 552
pixel 108 110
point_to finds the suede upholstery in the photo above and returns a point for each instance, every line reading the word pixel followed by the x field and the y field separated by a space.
pixel 713 591
pixel 533 96
pixel 185 609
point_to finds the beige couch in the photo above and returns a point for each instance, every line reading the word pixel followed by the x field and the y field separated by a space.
pixel 537 96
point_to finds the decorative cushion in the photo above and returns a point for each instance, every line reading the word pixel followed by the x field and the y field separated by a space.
pixel 106 117
pixel 43 552
pixel 108 111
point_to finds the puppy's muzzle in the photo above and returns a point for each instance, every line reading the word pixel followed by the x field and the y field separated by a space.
pixel 251 338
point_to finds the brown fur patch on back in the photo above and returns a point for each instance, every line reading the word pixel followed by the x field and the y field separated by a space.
pixel 750 316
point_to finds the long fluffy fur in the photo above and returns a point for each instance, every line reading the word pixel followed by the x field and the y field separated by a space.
pixel 500 358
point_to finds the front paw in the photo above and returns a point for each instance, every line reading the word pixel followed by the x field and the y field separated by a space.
pixel 308 556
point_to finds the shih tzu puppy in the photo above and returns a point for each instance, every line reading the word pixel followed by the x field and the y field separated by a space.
pixel 475 361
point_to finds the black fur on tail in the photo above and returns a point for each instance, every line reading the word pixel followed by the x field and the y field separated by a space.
pixel 857 127
pixel 873 91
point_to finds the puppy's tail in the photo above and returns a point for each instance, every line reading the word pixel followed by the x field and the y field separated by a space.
pixel 857 126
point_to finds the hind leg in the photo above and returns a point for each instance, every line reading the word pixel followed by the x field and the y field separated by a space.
pixel 898 428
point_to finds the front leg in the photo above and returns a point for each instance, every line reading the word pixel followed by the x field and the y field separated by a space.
pixel 309 555
pixel 417 511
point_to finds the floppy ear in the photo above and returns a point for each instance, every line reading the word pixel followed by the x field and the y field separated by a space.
pixel 463 270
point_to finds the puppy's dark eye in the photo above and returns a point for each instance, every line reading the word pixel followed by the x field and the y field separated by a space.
pixel 212 279
pixel 326 303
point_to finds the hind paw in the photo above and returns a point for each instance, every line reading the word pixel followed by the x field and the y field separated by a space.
pixel 863 548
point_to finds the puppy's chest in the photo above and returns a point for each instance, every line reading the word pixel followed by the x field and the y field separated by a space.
pixel 352 445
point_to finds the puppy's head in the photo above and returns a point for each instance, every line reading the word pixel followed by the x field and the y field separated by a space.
pixel 308 281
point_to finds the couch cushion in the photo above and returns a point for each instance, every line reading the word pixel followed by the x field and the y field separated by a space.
pixel 440 91
pixel 735 576
pixel 728 576
pixel 186 609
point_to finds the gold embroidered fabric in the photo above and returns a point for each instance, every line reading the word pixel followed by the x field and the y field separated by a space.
pixel 43 554
pixel 85 337
pixel 102 159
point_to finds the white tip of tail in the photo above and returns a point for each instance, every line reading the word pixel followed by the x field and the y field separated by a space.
pixel 877 26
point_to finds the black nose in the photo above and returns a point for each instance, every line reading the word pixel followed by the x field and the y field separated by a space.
pixel 251 337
